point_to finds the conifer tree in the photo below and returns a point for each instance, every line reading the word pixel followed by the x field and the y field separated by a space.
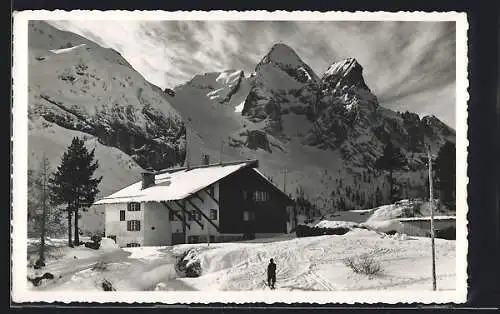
pixel 73 183
pixel 378 197
pixel 445 166
pixel 392 159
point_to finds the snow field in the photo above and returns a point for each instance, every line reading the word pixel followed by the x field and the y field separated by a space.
pixel 317 263
pixel 311 263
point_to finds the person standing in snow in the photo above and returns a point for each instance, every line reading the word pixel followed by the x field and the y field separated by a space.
pixel 271 274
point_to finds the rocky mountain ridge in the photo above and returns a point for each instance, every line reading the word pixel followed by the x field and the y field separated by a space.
pixel 314 135
pixel 302 123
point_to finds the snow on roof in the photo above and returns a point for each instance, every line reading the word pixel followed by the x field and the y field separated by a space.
pixel 176 184
pixel 427 218
pixel 270 182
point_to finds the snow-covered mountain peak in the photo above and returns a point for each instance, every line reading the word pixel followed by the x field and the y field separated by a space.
pixel 281 53
pixel 347 72
pixel 284 58
pixel 229 76
pixel 343 65
pixel 218 86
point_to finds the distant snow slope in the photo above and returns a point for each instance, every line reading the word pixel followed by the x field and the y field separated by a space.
pixel 115 167
pixel 77 88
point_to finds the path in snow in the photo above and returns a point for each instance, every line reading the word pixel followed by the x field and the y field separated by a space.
pixel 317 263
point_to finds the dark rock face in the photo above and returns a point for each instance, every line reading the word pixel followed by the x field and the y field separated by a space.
pixel 159 143
pixel 257 139
pixel 295 82
pixel 330 129
pixel 233 88
pixel 342 111
pixel 346 73
pixel 169 92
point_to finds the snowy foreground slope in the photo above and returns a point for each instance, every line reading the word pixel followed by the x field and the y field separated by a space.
pixel 312 264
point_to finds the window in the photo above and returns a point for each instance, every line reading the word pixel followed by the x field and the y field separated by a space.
pixel 245 195
pixel 171 215
pixel 133 225
pixel 248 215
pixel 133 207
pixel 122 215
pixel 213 214
pixel 194 215
pixel 260 196
pixel 133 245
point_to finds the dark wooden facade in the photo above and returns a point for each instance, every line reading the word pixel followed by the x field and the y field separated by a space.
pixel 236 195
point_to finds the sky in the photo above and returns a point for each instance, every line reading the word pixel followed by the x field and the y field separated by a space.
pixel 407 65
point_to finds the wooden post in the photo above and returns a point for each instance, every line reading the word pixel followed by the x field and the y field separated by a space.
pixel 220 152
pixel 284 180
pixel 187 163
pixel 432 220
pixel 208 235
pixel 184 225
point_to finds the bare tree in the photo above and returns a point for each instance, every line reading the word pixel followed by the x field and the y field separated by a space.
pixel 39 185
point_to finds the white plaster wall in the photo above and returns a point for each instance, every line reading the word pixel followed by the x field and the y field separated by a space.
pixel 113 225
pixel 205 207
pixel 421 228
pixel 156 216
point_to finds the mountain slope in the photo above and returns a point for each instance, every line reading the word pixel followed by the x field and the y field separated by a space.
pixel 314 135
pixel 325 132
pixel 77 88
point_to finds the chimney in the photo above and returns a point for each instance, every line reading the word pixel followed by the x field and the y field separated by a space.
pixel 148 179
pixel 205 159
